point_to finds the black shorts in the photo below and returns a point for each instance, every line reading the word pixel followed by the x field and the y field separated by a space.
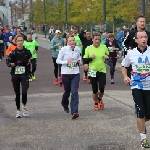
pixel 142 102
pixel 98 82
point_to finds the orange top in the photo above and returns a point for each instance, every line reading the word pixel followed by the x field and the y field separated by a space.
pixel 10 48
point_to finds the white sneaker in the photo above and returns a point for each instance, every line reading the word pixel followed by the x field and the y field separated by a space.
pixel 18 114
pixel 25 112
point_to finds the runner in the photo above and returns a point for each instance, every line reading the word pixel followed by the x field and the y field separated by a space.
pixel 32 45
pixel 140 81
pixel 55 45
pixel 1 45
pixel 11 47
pixel 113 47
pixel 69 57
pixel 95 55
pixel 77 39
pixel 86 41
pixel 19 61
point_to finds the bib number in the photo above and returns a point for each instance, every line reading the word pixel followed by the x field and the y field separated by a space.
pixel 92 73
pixel 1 41
pixel 110 49
pixel 72 65
pixel 19 70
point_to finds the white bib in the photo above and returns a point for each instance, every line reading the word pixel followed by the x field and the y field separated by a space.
pixel 19 70
pixel 92 73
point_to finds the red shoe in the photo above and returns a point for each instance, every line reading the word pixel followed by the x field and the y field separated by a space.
pixel 56 81
pixel 101 104
pixel 96 107
pixel 75 115
pixel 85 78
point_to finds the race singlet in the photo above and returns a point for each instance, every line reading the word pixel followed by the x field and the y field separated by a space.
pixel 92 73
pixel 72 65
pixel 19 70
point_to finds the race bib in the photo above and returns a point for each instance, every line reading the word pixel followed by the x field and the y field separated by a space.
pixel 59 48
pixel 143 68
pixel 110 49
pixel 72 65
pixel 19 70
pixel 1 41
pixel 92 73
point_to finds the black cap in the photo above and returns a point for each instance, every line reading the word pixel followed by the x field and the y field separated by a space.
pixel 32 28
pixel 74 27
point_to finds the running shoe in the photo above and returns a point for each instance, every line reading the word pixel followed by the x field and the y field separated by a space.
pixel 56 81
pixel 66 110
pixel 75 115
pixel 18 114
pixel 101 104
pixel 145 144
pixel 84 78
pixel 30 80
pixel 33 77
pixel 25 112
pixel 96 107
pixel 112 81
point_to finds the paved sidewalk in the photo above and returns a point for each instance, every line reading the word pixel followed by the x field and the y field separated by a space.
pixel 50 128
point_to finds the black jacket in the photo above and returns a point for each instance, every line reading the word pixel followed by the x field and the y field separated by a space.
pixel 129 40
pixel 2 39
pixel 20 58
pixel 85 42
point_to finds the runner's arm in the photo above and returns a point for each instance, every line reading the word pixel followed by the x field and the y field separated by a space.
pixel 86 58
pixel 59 59
pixel 53 45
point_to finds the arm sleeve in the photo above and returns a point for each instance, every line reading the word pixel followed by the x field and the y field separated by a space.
pixel 59 59
pixel 126 61
pixel 126 43
pixel 86 56
pixel 10 59
pixel 53 46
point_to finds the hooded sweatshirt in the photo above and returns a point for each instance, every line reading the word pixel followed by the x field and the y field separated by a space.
pixel 54 47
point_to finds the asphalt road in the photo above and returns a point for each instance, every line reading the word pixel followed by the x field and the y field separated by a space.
pixel 50 128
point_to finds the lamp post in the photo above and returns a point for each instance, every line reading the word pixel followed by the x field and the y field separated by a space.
pixel 44 9
pixel 143 7
pixel 31 2
pixel 66 14
pixel 15 12
pixel 104 11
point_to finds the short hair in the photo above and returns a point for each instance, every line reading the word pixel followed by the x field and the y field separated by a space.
pixel 17 36
pixel 138 32
pixel 18 28
pixel 95 34
pixel 141 16
pixel 68 36
pixel 110 35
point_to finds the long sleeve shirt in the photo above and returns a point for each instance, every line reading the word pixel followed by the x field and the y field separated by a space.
pixel 67 53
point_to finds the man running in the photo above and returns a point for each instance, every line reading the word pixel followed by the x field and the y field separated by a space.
pixel 95 55
pixel 86 41
pixel 19 61
pixel 32 45
pixel 55 45
pixel 139 59
pixel 113 47
pixel 2 39
pixel 77 38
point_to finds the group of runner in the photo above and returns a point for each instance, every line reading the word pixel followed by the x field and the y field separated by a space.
pixel 82 49
pixel 21 58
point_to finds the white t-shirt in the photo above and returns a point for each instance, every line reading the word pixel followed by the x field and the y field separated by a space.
pixel 140 75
